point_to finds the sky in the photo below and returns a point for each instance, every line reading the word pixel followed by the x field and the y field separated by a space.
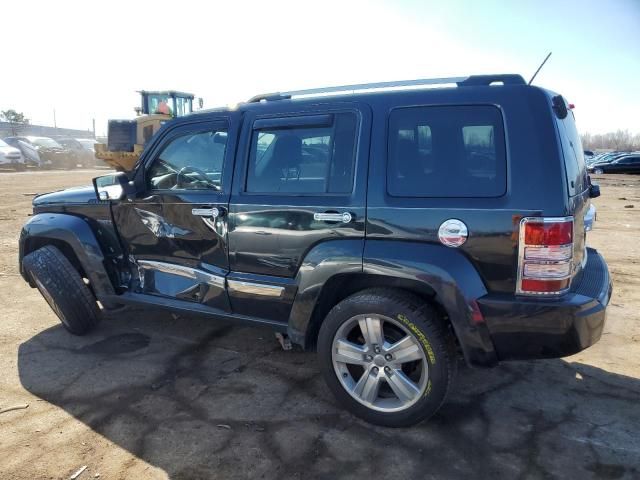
pixel 86 59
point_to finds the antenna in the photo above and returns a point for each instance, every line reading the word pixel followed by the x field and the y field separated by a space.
pixel 539 68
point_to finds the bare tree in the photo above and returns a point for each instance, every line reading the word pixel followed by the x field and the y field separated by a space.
pixel 618 140
pixel 16 120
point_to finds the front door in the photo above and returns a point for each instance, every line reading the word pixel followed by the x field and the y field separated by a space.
pixel 176 227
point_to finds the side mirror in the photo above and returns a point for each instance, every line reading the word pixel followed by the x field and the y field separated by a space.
pixel 220 138
pixel 594 188
pixel 112 187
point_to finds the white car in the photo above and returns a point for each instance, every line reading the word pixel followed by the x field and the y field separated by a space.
pixel 10 157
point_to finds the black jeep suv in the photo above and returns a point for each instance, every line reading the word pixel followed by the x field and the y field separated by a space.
pixel 392 227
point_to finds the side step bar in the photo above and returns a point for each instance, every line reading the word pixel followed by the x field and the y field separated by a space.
pixel 181 306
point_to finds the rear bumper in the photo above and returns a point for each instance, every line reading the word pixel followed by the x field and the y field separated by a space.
pixel 523 328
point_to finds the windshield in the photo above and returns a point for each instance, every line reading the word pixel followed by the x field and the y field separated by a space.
pixel 86 143
pixel 160 104
pixel 70 143
pixel 45 142
pixel 2 143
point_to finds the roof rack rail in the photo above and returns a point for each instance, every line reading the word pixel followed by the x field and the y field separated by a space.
pixel 505 79
pixel 473 80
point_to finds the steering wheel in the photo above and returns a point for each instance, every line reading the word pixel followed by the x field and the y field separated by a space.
pixel 201 174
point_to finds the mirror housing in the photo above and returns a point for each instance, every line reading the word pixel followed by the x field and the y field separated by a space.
pixel 594 188
pixel 115 186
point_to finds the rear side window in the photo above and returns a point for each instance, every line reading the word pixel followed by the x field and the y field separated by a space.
pixel 302 158
pixel 573 155
pixel 453 151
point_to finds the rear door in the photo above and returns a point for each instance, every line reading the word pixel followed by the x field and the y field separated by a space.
pixel 176 228
pixel 300 180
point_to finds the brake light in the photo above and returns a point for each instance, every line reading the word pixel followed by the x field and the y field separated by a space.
pixel 548 233
pixel 545 255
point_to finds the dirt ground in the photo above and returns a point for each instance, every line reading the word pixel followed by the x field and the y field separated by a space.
pixel 152 396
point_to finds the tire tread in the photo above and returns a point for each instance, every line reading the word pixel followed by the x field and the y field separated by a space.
pixel 73 297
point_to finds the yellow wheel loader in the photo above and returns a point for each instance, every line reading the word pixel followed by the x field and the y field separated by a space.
pixel 126 138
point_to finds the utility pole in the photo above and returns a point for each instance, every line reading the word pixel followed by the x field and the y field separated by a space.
pixel 55 125
pixel 93 120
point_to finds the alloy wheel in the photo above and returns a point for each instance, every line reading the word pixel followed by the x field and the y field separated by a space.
pixel 380 363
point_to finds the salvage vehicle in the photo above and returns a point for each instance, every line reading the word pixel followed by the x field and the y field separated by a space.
pixel 626 163
pixel 84 157
pixel 604 159
pixel 11 157
pixel 90 146
pixel 43 152
pixel 393 228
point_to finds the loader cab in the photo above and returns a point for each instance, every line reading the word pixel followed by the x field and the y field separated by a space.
pixel 176 104
pixel 127 138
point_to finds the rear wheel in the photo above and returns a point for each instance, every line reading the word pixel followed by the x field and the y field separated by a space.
pixel 387 356
pixel 598 171
pixel 63 288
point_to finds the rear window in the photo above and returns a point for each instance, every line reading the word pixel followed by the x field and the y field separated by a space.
pixel 453 151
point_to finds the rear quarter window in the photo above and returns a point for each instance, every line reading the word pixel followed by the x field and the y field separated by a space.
pixel 573 154
pixel 449 151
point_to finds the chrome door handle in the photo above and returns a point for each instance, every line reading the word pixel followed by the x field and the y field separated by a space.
pixel 213 212
pixel 344 217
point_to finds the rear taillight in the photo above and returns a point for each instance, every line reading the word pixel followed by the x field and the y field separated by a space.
pixel 545 255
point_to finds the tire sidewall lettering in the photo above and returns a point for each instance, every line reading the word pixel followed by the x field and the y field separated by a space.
pixel 431 356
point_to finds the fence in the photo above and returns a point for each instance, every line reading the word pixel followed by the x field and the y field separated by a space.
pixel 7 130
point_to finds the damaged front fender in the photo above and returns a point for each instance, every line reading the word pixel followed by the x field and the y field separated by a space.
pixel 73 233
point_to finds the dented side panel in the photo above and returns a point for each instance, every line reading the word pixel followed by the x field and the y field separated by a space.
pixel 175 254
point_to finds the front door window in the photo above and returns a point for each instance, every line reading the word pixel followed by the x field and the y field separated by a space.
pixel 191 161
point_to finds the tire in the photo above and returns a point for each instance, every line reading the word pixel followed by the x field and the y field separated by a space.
pixel 598 171
pixel 64 290
pixel 424 333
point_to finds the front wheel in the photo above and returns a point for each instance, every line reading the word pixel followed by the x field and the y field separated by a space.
pixel 387 356
pixel 63 288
